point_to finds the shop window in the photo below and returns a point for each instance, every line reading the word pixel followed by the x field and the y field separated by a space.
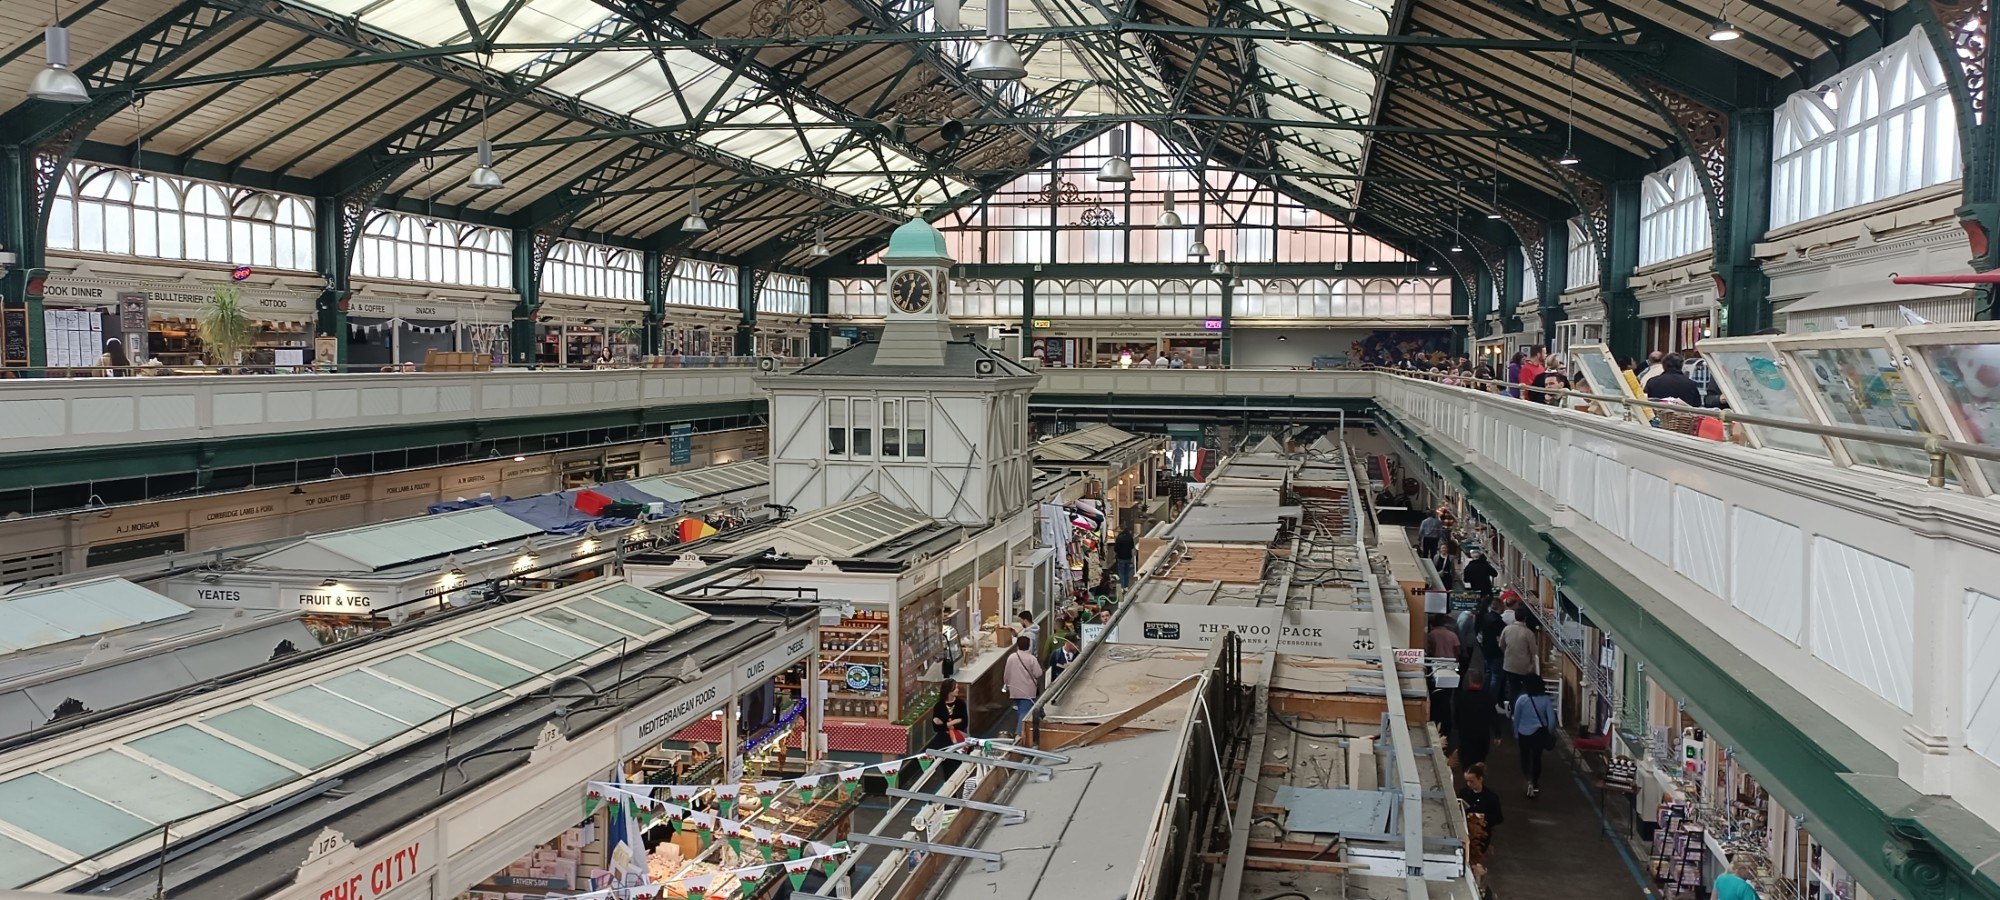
pixel 892 433
pixel 836 427
pixel 578 269
pixel 916 428
pixel 1673 214
pixel 120 212
pixel 1884 127
pixel 408 247
pixel 1582 255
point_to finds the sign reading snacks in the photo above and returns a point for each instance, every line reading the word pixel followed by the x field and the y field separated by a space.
pixel 1323 633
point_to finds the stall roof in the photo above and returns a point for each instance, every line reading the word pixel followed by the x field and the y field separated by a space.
pixel 385 545
pixel 845 531
pixel 75 611
pixel 706 482
pixel 1082 445
pixel 194 762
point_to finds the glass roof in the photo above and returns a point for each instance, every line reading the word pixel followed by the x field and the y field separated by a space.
pixel 848 531
pixel 372 548
pixel 58 812
pixel 705 482
pixel 52 616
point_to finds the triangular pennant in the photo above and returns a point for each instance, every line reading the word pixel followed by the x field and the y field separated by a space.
pixel 725 804
pixel 706 835
pixel 736 842
pixel 749 884
pixel 697 893
pixel 806 792
pixel 925 763
pixel 798 879
pixel 889 768
pixel 591 802
pixel 792 851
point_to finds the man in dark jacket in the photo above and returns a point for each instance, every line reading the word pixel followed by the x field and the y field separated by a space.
pixel 1122 555
pixel 1479 573
pixel 1672 383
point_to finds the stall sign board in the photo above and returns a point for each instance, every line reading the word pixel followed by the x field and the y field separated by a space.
pixel 1316 633
pixel 1463 601
pixel 680 441
pixel 15 327
pixel 378 874
pixel 655 722
pixel 779 655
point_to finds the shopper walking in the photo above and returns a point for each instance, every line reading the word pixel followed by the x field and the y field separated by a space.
pixel 948 718
pixel 1471 716
pixel 1060 658
pixel 1431 533
pixel 1520 655
pixel 1482 818
pixel 1534 730
pixel 1441 642
pixel 1672 383
pixel 1735 884
pixel 1479 573
pixel 1023 680
pixel 1025 627
pixel 1491 624
pixel 1122 551
pixel 1531 370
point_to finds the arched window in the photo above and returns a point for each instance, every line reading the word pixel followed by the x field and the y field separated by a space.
pixel 578 269
pixel 860 298
pixel 408 247
pixel 1673 215
pixel 785 295
pixel 1885 127
pixel 110 210
pixel 1582 271
pixel 699 283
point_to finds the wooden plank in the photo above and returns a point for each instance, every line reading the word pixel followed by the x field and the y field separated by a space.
pixel 1112 724
pixel 1275 864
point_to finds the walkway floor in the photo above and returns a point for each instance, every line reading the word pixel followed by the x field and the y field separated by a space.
pixel 1554 846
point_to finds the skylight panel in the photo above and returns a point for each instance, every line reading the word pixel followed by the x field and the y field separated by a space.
pixel 213 760
pixel 647 603
pixel 279 736
pixel 339 715
pixel 479 665
pixel 386 697
pixel 143 790
pixel 433 679
pixel 20 864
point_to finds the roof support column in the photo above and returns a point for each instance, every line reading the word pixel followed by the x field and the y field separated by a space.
pixel 23 229
pixel 749 283
pixel 1962 33
pixel 1621 306
pixel 1553 277
pixel 819 303
pixel 1028 316
pixel 337 225
pixel 1228 316
pixel 1482 285
pixel 1742 289
pixel 653 289
pixel 528 284
pixel 1511 290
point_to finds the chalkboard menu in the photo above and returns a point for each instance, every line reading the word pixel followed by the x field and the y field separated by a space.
pixel 920 624
pixel 14 322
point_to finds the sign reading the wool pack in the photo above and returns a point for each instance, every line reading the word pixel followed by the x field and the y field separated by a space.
pixel 1317 633
pixel 655 722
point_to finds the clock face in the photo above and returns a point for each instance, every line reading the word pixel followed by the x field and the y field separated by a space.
pixel 911 292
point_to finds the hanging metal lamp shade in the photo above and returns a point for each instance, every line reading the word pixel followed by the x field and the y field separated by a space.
pixel 1169 218
pixel 996 59
pixel 1117 169
pixel 483 177
pixel 694 223
pixel 55 82
pixel 819 247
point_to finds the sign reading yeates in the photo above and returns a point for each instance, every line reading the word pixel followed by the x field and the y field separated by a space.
pixel 1318 633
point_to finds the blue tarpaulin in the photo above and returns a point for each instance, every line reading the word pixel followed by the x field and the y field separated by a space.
pixel 557 513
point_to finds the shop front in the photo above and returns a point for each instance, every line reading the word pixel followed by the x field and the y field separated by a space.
pixel 159 319
pixel 1197 344
pixel 1676 315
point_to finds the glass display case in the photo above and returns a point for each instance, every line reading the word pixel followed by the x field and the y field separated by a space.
pixel 1960 365
pixel 1857 382
pixel 1601 376
pixel 1758 380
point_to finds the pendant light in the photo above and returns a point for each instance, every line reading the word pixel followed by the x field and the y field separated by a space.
pixel 694 223
pixel 1569 144
pixel 1722 31
pixel 1169 218
pixel 55 82
pixel 1431 266
pixel 1457 245
pixel 1494 212
pixel 1221 266
pixel 1117 169
pixel 819 247
pixel 1200 249
pixel 484 177
pixel 996 59
pixel 138 141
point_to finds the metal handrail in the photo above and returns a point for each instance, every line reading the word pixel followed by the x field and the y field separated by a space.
pixel 1935 446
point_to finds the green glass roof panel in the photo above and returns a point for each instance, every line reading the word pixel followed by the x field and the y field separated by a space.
pixel 541 659
pixel 140 789
pixel 279 736
pixel 578 625
pixel 477 664
pixel 434 680
pixel 613 616
pixel 21 864
pixel 544 636
pixel 213 760
pixel 333 713
pixel 390 699
pixel 65 816
pixel 646 603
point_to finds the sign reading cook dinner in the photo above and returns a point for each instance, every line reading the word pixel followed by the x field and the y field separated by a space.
pixel 1324 633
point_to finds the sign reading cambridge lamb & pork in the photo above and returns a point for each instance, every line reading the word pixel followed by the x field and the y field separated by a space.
pixel 1323 633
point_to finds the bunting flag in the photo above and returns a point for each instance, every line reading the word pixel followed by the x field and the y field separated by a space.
pixel 686 794
pixel 625 892
pixel 798 872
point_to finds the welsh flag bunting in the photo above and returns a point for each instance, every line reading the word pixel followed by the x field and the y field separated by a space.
pixel 889 768
pixel 591 801
pixel 725 804
pixel 798 872
pixel 925 763
pixel 695 893
pixel 736 841
pixel 792 849
pixel 749 883
pixel 706 835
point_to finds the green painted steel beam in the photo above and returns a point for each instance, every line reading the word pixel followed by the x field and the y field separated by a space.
pixel 1897 842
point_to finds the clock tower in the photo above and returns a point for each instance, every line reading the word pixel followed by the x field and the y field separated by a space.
pixel 919 280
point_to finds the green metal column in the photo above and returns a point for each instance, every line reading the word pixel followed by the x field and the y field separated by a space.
pixel 333 255
pixel 1962 34
pixel 1228 317
pixel 1745 290
pixel 521 339
pixel 1482 284
pixel 22 231
pixel 748 283
pixel 1621 306
pixel 1461 308
pixel 1027 317
pixel 819 300
pixel 1510 304
pixel 653 338
pixel 1554 276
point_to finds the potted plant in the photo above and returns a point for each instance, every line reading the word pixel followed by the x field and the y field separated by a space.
pixel 226 330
